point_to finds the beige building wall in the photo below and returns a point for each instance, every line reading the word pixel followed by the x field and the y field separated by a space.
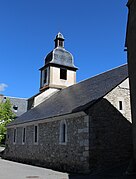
pixel 56 81
pixel 44 95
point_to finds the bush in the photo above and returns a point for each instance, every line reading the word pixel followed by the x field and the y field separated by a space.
pixel 6 116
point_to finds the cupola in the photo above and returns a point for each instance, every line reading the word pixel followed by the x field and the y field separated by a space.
pixel 59 70
pixel 59 40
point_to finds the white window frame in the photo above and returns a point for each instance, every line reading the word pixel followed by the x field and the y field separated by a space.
pixel 61 134
pixel 23 142
pixel 37 134
pixel 14 135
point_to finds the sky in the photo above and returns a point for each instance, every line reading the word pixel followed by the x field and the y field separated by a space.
pixel 94 33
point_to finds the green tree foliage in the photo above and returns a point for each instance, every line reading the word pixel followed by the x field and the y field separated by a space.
pixel 6 116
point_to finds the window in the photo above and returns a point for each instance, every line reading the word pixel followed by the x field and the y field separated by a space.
pixel 120 105
pixel 24 135
pixel 61 43
pixel 45 76
pixel 14 135
pixel 15 107
pixel 36 134
pixel 63 132
pixel 63 74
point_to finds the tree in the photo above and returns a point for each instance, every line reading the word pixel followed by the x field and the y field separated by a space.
pixel 6 116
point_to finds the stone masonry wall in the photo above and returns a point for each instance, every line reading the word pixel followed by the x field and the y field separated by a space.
pixel 72 156
pixel 110 137
pixel 121 93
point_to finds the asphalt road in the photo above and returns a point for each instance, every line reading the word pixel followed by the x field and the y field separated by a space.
pixel 14 170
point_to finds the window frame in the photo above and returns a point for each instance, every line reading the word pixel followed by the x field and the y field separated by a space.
pixel 15 108
pixel 23 135
pixel 14 135
pixel 121 104
pixel 63 133
pixel 36 136
pixel 43 83
pixel 62 75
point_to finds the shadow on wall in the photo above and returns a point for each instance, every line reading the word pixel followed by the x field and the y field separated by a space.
pixel 110 137
pixel 110 142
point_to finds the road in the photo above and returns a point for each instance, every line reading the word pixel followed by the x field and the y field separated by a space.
pixel 14 170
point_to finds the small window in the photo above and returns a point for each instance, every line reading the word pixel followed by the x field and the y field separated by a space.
pixel 120 105
pixel 45 76
pixel 63 132
pixel 61 43
pixel 14 135
pixel 35 134
pixel 63 74
pixel 24 135
pixel 15 107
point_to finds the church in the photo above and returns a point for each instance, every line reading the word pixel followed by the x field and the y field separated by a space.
pixel 80 127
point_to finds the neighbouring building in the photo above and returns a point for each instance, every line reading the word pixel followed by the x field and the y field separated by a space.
pixel 83 127
pixel 131 53
pixel 19 105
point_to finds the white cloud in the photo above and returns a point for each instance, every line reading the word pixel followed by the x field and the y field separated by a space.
pixel 3 86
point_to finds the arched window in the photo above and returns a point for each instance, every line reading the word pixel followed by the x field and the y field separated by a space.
pixel 23 135
pixel 63 132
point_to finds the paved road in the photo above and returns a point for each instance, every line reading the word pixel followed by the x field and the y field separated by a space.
pixel 13 170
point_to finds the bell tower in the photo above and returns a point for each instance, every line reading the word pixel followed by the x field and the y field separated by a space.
pixel 59 70
pixel 57 73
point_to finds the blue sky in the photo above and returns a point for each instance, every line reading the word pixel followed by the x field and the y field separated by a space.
pixel 94 33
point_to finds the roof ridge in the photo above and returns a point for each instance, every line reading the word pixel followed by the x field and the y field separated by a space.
pixel 97 75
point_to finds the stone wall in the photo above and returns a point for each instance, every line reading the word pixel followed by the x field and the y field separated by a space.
pixel 72 156
pixel 110 137
pixel 121 93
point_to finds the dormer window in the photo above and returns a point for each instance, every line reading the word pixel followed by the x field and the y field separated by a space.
pixel 15 107
pixel 63 74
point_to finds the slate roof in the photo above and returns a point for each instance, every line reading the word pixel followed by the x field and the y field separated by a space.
pixel 76 97
pixel 20 103
pixel 60 56
pixel 57 57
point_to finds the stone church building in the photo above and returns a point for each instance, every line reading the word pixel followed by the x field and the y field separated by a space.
pixel 80 127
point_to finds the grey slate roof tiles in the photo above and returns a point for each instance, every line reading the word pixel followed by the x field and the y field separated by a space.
pixel 76 97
